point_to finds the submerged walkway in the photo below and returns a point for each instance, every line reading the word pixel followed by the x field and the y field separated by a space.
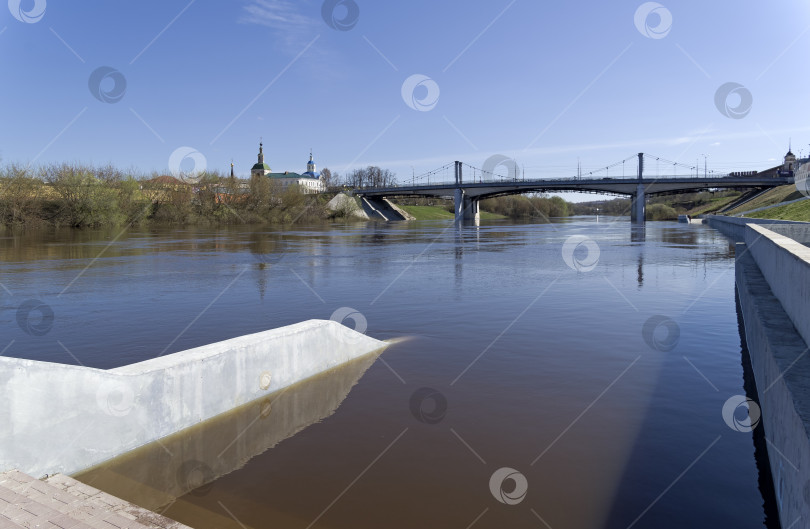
pixel 61 502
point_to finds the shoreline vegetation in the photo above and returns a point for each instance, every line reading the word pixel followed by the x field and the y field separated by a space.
pixel 84 196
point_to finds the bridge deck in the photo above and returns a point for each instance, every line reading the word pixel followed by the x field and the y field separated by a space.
pixel 622 186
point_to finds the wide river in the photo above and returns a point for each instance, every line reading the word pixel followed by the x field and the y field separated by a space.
pixel 564 375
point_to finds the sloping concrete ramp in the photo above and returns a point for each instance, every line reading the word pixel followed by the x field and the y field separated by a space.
pixel 382 208
pixel 63 419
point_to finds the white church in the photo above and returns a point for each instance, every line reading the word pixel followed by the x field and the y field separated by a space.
pixel 309 181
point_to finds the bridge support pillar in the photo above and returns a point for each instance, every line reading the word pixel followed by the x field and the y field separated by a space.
pixel 466 208
pixel 458 204
pixel 471 210
pixel 638 206
pixel 638 203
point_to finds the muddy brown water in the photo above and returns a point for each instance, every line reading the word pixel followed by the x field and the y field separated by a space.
pixel 591 360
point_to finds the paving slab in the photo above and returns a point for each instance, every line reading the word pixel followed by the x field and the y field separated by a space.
pixel 61 502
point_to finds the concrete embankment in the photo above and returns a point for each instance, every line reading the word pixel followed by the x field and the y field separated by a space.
pixel 63 419
pixel 773 282
pixel 734 227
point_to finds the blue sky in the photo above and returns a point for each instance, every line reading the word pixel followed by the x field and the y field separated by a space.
pixel 546 83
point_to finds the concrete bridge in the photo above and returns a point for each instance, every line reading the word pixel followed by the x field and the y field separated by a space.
pixel 466 195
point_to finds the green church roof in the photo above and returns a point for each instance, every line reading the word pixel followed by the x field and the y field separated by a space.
pixel 260 166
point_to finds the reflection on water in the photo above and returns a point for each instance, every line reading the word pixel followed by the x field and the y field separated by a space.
pixel 541 368
pixel 158 475
pixel 638 234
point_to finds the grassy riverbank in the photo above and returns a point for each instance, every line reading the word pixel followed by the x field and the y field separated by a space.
pixel 539 207
pixel 779 203
pixel 427 212
pixel 666 207
pixel 772 197
pixel 440 213
pixel 796 211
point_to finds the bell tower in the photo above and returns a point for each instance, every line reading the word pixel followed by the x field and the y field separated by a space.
pixel 310 164
pixel 261 168
pixel 790 159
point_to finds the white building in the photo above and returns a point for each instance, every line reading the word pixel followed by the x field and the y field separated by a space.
pixel 309 181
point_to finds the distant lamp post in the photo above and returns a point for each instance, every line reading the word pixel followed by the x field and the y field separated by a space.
pixel 705 172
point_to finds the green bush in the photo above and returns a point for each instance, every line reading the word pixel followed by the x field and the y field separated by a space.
pixel 524 206
pixel 82 200
pixel 21 197
pixel 661 212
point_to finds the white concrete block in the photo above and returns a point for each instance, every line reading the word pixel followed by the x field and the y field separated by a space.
pixel 63 419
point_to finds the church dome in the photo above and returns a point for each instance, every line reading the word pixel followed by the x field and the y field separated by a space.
pixel 260 166
pixel 311 172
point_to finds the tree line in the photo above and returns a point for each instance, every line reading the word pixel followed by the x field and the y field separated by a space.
pixel 76 195
pixel 527 206
pixel 371 176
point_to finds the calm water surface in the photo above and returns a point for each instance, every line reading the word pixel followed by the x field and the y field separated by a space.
pixel 503 355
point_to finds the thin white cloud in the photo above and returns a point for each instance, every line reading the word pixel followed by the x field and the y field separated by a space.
pixel 291 27
pixel 276 14
pixel 711 129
